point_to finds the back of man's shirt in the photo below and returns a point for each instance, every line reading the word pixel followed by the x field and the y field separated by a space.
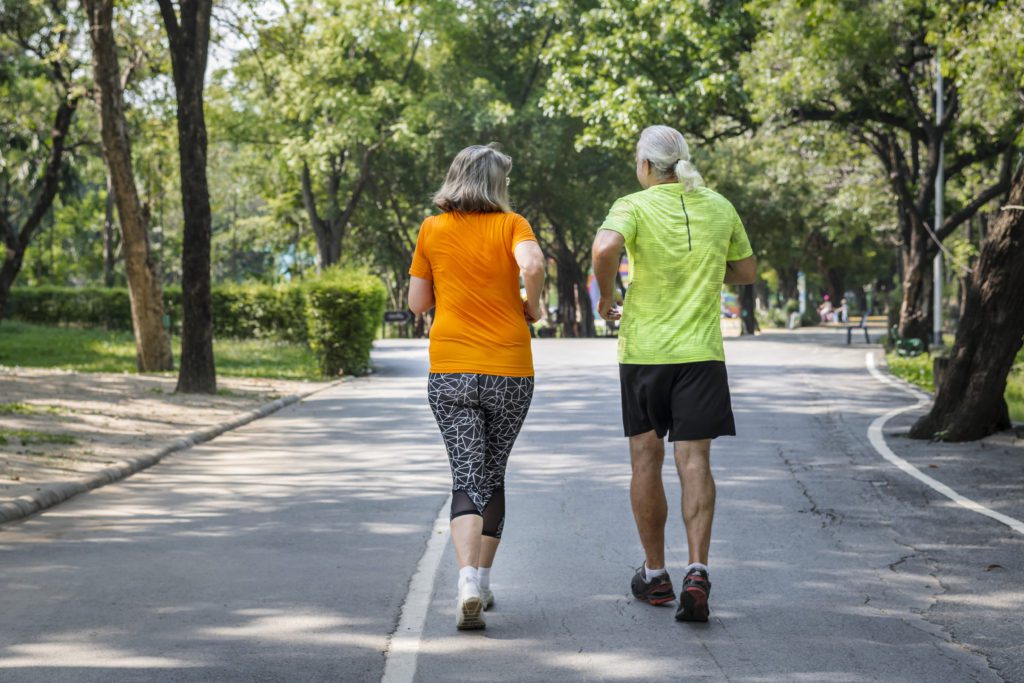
pixel 678 244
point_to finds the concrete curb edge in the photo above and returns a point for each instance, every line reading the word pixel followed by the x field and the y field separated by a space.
pixel 49 495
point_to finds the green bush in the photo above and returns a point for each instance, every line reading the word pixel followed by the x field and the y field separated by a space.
pixel 250 311
pixel 343 311
pixel 772 317
pixel 93 306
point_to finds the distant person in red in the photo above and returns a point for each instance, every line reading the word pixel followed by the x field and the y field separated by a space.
pixel 825 311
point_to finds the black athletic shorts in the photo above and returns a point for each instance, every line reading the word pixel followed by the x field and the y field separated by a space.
pixel 689 401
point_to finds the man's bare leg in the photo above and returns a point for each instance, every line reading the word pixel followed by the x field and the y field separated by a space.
pixel 647 495
pixel 693 462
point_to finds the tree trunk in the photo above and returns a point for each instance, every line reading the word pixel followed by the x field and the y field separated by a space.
pixel 16 240
pixel 567 310
pixel 586 304
pixel 969 403
pixel 189 42
pixel 108 237
pixel 747 317
pixel 152 342
pixel 788 284
pixel 917 287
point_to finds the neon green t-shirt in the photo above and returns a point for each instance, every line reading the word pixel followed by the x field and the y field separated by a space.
pixel 673 304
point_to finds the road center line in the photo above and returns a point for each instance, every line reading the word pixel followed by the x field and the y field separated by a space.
pixel 877 439
pixel 404 646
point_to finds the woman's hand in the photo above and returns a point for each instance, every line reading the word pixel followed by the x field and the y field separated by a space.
pixel 532 312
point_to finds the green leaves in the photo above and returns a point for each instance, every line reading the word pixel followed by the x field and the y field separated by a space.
pixel 621 65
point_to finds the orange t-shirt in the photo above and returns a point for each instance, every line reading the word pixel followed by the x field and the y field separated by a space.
pixel 479 325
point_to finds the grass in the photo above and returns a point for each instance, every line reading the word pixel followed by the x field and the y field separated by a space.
pixel 97 350
pixel 27 409
pixel 918 371
pixel 27 436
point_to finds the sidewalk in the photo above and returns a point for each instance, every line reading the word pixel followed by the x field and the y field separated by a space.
pixel 64 432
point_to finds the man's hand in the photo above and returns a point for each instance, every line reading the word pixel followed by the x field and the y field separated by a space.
pixel 532 312
pixel 608 309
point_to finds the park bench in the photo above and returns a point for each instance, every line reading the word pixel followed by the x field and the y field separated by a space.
pixel 908 348
pixel 862 325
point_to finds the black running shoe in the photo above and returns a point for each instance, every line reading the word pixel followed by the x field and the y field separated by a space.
pixel 693 600
pixel 657 592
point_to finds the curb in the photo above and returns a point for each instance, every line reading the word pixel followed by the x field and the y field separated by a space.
pixel 50 495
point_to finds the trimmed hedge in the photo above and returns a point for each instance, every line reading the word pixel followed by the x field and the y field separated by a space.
pixel 344 311
pixel 94 306
pixel 239 311
pixel 338 314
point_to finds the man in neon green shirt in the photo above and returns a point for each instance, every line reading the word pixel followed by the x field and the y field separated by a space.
pixel 684 241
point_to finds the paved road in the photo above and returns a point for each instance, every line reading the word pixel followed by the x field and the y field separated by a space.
pixel 283 551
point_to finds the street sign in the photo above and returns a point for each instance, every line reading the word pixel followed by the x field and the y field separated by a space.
pixel 398 316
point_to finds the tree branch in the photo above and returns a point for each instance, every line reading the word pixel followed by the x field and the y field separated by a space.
pixel 170 18
pixel 1002 186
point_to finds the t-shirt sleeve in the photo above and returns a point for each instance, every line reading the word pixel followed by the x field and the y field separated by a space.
pixel 739 245
pixel 521 232
pixel 621 219
pixel 420 263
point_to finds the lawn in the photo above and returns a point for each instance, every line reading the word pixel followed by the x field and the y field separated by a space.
pixel 98 350
pixel 918 371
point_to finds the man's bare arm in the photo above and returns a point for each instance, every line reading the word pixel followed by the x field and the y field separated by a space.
pixel 742 272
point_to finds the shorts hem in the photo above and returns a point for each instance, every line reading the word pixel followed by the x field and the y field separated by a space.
pixel 700 436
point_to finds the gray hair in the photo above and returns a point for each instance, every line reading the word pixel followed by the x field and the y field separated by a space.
pixel 666 149
pixel 477 181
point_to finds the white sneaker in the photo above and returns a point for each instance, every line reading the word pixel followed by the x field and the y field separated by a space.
pixel 469 610
pixel 488 597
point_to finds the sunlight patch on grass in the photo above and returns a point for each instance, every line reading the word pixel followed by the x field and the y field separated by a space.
pixel 918 371
pixel 27 436
pixel 96 350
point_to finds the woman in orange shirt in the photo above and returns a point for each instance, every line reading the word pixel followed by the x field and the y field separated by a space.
pixel 467 263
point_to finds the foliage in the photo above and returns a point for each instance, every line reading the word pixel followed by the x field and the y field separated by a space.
pixel 622 65
pixel 344 309
pixel 28 436
pixel 251 311
pixel 918 371
pixel 97 350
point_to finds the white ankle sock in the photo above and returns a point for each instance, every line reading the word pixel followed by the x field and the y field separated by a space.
pixel 651 574
pixel 696 565
pixel 484 576
pixel 468 574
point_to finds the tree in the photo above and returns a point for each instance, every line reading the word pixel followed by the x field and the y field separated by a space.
pixel 189 38
pixel 152 341
pixel 622 65
pixel 331 85
pixel 969 401
pixel 35 39
pixel 811 201
pixel 495 73
pixel 867 69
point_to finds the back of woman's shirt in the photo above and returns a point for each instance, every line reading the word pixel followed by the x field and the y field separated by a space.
pixel 479 325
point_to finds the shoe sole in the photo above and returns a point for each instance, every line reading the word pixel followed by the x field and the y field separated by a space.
pixel 655 600
pixel 470 615
pixel 693 607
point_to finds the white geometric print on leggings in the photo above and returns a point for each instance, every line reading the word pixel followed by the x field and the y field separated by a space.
pixel 480 417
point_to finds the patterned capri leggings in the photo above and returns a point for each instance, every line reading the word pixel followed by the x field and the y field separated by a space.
pixel 480 417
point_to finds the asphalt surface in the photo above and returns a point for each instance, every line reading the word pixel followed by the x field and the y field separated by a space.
pixel 283 551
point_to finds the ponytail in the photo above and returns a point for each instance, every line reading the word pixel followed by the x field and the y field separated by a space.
pixel 688 175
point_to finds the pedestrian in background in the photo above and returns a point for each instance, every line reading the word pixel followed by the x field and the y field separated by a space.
pixel 467 263
pixel 684 241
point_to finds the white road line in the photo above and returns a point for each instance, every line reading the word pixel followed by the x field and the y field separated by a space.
pixel 877 439
pixel 404 646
